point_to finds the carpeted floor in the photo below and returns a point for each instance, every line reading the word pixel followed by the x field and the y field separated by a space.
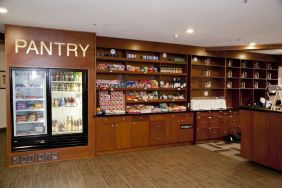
pixel 181 166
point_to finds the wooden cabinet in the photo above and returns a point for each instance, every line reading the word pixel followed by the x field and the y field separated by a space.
pixel 275 141
pixel 179 128
pixel 171 131
pixel 123 135
pixel 140 131
pixel 216 124
pixel 113 133
pixel 157 132
pixel 260 138
pixel 124 132
pixel 105 136
pixel 246 120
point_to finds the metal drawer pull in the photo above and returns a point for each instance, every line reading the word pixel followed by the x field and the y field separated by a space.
pixel 187 126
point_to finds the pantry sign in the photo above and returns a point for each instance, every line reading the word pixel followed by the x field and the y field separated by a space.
pixel 42 48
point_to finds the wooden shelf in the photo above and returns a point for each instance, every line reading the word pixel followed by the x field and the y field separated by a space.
pixel 237 78
pixel 156 101
pixel 110 89
pixel 208 88
pixel 203 65
pixel 211 77
pixel 110 58
pixel 140 73
pixel 141 89
pixel 232 67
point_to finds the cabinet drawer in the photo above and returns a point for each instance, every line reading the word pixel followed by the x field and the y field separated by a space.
pixel 223 132
pixel 102 120
pixel 235 129
pixel 213 133
pixel 140 118
pixel 122 119
pixel 157 138
pixel 203 115
pixel 202 133
pixel 157 126
pixel 202 123
pixel 158 117
pixel 185 120
pixel 185 134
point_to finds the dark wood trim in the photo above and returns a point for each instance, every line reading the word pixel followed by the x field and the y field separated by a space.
pixel 245 47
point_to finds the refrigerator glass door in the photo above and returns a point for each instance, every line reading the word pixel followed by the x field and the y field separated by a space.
pixel 66 99
pixel 29 102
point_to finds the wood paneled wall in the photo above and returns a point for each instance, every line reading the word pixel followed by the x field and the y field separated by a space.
pixel 21 59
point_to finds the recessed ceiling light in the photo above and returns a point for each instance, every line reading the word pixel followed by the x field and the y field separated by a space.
pixel 3 10
pixel 252 44
pixel 190 31
pixel 175 36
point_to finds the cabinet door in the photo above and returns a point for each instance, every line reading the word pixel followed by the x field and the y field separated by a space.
pixel 213 121
pixel 222 132
pixel 140 133
pixel 171 131
pixel 105 136
pixel 275 141
pixel 123 135
pixel 260 138
pixel 202 134
pixel 246 120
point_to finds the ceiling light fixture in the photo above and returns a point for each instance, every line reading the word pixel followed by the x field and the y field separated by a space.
pixel 252 44
pixel 175 36
pixel 190 31
pixel 3 10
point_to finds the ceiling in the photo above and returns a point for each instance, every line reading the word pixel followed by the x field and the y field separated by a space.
pixel 216 22
pixel 272 52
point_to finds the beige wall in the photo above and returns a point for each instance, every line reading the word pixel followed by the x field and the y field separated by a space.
pixel 2 91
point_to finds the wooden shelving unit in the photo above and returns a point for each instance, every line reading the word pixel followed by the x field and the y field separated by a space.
pixel 240 82
pixel 139 66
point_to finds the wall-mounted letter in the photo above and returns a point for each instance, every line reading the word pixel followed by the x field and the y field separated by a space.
pixel 84 49
pixel 32 47
pixel 73 48
pixel 19 44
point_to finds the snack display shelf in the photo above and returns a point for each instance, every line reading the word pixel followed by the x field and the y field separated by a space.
pixel 155 101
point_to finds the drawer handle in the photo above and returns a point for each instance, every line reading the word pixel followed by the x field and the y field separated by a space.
pixel 112 125
pixel 141 117
pixel 158 126
pixel 158 138
pixel 117 125
pixel 209 117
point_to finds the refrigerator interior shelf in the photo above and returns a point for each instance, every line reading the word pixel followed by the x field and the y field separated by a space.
pixel 65 92
pixel 29 122
pixel 69 132
pixel 28 87
pixel 31 110
pixel 67 82
pixel 40 99
pixel 67 107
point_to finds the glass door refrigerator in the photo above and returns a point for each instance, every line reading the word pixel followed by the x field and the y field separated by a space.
pixel 29 109
pixel 49 108
pixel 68 103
